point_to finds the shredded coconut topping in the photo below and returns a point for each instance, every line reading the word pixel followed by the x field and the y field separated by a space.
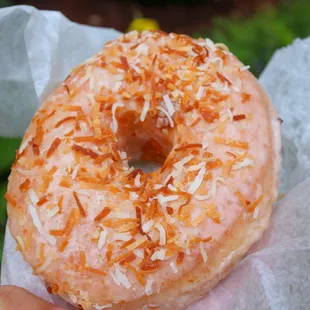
pixel 120 278
pixel 197 182
pixel 33 196
pixel 114 120
pixel 145 109
pixel 174 267
pixel 37 223
pixel 169 105
pixel 102 238
pixel 203 253
pixel 148 287
pixel 139 224
pixel 162 234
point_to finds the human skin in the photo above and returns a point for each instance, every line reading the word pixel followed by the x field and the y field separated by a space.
pixel 16 298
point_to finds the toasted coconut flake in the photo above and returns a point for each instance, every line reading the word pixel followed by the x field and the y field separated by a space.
pixel 179 165
pixel 25 144
pixel 129 258
pixel 162 234
pixel 159 255
pixel 75 171
pixel 96 271
pixel 180 258
pixel 133 195
pixel 33 196
pixel 197 182
pixel 103 157
pixel 24 187
pixel 145 109
pixel 168 116
pixel 122 237
pixel 246 97
pixel 230 115
pixel 172 188
pixel 169 105
pixel 10 199
pixel 164 199
pixel 241 198
pixel 66 119
pixel 203 197
pixel 212 212
pixel 21 243
pixel 139 253
pixel 246 162
pixel 72 297
pixel 37 223
pixel 133 173
pixel 137 243
pixel 137 181
pixel 120 278
pixel 117 86
pixel 174 267
pixel 43 200
pixel 199 93
pixel 45 264
pixel 256 203
pixel 209 115
pixel 199 219
pixel 232 143
pixel 114 120
pixel 196 167
pixel 102 238
pixel 245 68
pixel 88 139
pixel 51 213
pixel 137 274
pixel 146 227
pixel 223 78
pixel 210 45
pixel 55 144
pixel 239 117
pixel 57 232
pixel 188 146
pixel 95 119
pixel 169 210
pixel 65 183
pixel 85 151
pixel 148 287
pixel 102 214
pixel 203 252
pixel 79 204
pixel 98 307
pixel 256 213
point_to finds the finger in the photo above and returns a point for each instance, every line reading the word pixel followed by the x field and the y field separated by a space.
pixel 16 298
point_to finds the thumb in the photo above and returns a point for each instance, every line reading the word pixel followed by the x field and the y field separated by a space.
pixel 16 298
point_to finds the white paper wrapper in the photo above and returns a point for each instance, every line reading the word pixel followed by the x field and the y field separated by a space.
pixel 38 50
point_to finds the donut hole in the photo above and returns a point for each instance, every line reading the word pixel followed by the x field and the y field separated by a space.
pixel 147 147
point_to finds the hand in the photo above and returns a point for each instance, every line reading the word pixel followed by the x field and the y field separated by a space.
pixel 16 298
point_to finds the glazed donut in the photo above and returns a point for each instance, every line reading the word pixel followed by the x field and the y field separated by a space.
pixel 103 234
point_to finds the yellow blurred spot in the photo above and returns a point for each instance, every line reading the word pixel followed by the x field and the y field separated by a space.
pixel 141 24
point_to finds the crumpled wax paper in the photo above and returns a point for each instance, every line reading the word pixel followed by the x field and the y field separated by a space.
pixel 38 50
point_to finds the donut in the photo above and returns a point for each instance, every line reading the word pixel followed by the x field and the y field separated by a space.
pixel 104 234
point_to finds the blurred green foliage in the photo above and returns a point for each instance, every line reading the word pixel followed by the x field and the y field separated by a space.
pixel 255 39
pixel 4 3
